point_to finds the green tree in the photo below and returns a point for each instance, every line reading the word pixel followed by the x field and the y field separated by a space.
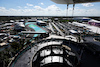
pixel 15 46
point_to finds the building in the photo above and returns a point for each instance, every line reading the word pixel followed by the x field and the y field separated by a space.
pixel 32 20
pixel 41 23
pixel 50 52
pixel 2 37
pixel 73 32
pixel 54 54
pixel 22 20
pixel 81 19
pixel 19 26
pixel 45 19
pixel 94 22
pixel 7 26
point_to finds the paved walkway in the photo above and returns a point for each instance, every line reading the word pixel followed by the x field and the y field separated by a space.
pixel 51 27
pixel 25 59
pixel 90 39
pixel 61 33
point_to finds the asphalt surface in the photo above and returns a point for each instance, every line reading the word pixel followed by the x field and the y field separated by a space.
pixel 87 59
pixel 90 60
pixel 24 60
pixel 90 39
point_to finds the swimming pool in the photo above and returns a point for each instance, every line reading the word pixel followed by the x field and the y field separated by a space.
pixel 29 23
pixel 35 27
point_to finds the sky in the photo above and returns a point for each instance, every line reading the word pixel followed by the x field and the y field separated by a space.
pixel 46 8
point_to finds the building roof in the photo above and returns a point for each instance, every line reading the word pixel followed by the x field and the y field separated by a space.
pixel 20 24
pixel 33 19
pixel 41 21
pixel 92 20
pixel 92 28
pixel 1 44
pixel 56 37
pixel 82 18
pixel 2 33
pixel 73 31
pixel 12 21
pixel 61 37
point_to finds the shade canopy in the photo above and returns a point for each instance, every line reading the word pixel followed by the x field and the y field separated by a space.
pixel 73 1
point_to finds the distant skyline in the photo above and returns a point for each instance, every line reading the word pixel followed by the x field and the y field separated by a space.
pixel 46 8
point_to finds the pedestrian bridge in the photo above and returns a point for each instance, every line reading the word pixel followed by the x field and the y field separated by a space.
pixel 33 32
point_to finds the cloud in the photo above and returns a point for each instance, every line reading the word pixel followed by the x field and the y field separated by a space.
pixel 25 7
pixel 51 10
pixel 42 3
pixel 29 4
pixel 38 8
pixel 19 6
pixel 2 8
pixel 88 4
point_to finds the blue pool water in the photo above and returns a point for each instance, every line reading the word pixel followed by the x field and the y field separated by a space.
pixel 29 23
pixel 35 35
pixel 35 27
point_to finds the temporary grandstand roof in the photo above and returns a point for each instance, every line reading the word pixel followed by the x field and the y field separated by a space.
pixel 61 37
pixel 82 18
pixel 56 37
pixel 73 31
pixel 2 33
pixel 41 21
pixel 92 28
pixel 96 21
pixel 1 44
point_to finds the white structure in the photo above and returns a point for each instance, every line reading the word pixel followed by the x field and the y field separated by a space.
pixel 19 26
pixel 14 36
pixel 32 20
pixel 2 34
pixel 69 37
pixel 41 23
pixel 3 37
pixel 72 38
pixel 61 33
pixel 72 31
pixel 12 21
pixel 51 28
pixel 22 20
pixel 73 1
pixel 1 44
pixel 92 20
pixel 82 19
pixel 92 28
pixel 56 37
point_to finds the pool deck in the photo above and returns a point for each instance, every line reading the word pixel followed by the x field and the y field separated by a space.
pixel 33 27
pixel 43 28
pixel 28 28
